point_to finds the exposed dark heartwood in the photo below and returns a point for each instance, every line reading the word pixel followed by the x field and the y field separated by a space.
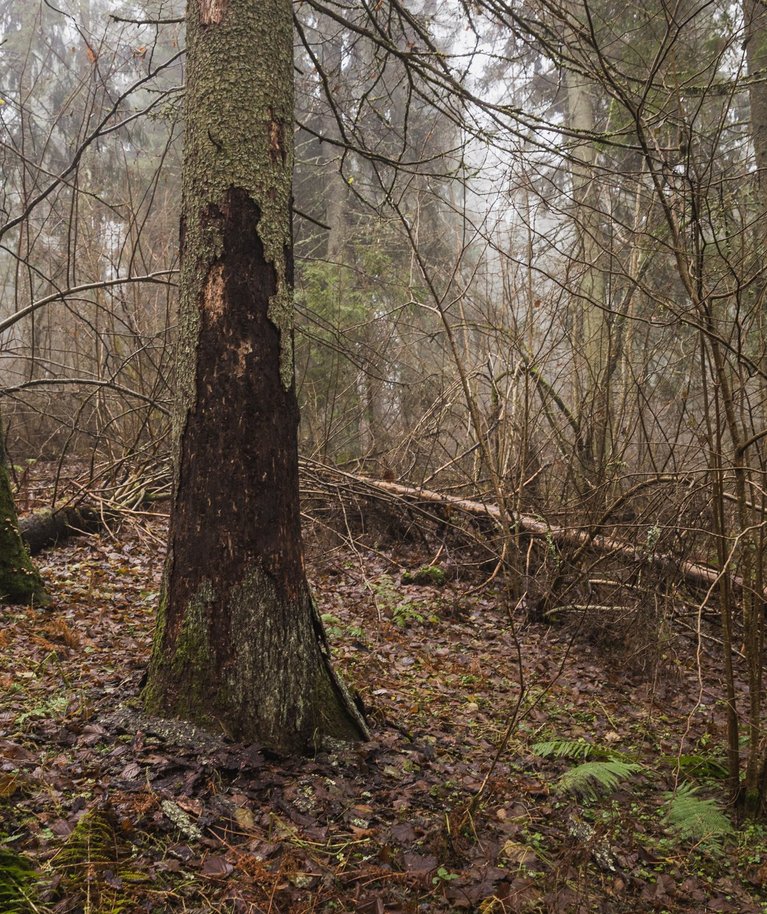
pixel 242 647
pixel 239 644
pixel 237 488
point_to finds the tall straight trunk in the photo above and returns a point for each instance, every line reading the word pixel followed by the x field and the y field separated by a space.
pixel 336 191
pixel 239 645
pixel 755 32
pixel 751 460
pixel 592 333
pixel 755 18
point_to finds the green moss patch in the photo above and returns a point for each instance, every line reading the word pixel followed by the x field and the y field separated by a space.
pixel 426 576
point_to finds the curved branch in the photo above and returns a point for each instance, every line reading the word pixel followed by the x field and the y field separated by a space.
pixel 86 382
pixel 77 290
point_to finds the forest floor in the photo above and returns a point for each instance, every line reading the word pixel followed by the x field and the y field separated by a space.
pixel 105 810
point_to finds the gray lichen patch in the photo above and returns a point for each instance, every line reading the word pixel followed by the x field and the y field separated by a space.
pixel 272 657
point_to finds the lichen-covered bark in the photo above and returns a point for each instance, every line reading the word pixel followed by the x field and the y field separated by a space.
pixel 239 646
pixel 19 580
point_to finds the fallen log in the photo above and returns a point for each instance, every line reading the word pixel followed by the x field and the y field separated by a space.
pixel 696 573
pixel 48 528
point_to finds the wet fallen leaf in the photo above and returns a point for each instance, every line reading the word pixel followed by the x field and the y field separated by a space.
pixel 216 867
pixel 244 817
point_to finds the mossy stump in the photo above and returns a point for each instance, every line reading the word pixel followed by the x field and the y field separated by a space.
pixel 20 582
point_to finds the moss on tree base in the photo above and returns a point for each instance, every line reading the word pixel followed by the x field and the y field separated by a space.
pixel 19 579
pixel 269 681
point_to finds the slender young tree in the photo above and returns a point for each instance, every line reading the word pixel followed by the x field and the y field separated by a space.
pixel 239 644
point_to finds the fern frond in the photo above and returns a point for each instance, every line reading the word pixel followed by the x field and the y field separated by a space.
pixel 696 818
pixel 93 843
pixel 580 749
pixel 698 765
pixel 17 883
pixel 565 748
pixel 95 849
pixel 592 778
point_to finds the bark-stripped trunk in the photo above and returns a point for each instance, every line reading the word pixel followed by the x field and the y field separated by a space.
pixel 239 645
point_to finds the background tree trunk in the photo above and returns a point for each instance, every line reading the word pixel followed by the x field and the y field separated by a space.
pixel 755 35
pixel 591 329
pixel 239 645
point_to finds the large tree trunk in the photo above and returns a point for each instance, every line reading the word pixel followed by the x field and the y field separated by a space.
pixel 239 645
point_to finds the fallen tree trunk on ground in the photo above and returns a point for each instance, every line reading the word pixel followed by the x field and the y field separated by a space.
pixel 48 528
pixel 695 573
pixel 330 480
